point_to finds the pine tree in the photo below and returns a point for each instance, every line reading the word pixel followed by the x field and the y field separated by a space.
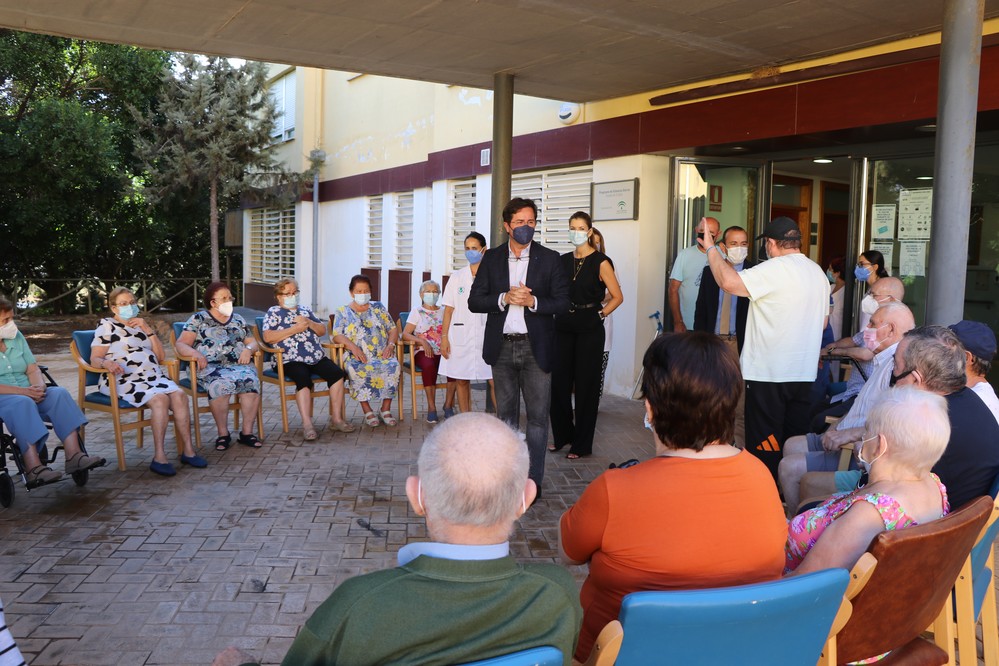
pixel 211 129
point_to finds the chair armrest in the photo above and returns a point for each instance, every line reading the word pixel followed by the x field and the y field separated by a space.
pixel 172 366
pixel 89 368
pixel 607 645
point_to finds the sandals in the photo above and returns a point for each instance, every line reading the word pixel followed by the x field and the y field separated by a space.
pixel 371 419
pixel 553 448
pixel 81 462
pixel 40 475
pixel 575 456
pixel 343 426
pixel 249 440
pixel 310 435
pixel 223 443
pixel 388 418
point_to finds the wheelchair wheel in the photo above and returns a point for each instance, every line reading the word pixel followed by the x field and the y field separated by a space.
pixel 6 489
pixel 80 478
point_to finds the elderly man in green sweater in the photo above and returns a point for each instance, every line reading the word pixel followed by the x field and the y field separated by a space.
pixel 460 597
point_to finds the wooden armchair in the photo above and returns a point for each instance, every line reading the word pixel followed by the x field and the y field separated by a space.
pixel 89 376
pixel 901 587
pixel 400 394
pixel 188 382
pixel 276 376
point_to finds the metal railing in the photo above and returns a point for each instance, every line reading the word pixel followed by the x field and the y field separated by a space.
pixel 91 293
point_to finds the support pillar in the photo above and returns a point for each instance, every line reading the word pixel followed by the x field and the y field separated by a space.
pixel 954 161
pixel 502 150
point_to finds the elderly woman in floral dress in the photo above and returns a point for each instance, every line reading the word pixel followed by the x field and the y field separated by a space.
pixel 370 335
pixel 295 330
pixel 223 346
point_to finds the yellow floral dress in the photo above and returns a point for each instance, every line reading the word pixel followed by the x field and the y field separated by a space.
pixel 376 378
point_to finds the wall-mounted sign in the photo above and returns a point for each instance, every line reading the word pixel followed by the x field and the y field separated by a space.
pixel 616 200
pixel 715 198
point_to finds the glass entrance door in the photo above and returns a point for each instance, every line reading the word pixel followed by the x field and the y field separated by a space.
pixel 731 192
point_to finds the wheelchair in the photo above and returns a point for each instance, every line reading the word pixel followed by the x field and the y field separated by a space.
pixel 10 450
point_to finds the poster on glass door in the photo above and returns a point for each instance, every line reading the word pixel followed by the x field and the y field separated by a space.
pixel 915 213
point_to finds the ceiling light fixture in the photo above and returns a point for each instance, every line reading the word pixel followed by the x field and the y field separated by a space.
pixel 924 177
pixel 927 128
pixel 822 160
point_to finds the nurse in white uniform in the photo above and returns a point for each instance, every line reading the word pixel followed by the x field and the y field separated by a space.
pixel 463 331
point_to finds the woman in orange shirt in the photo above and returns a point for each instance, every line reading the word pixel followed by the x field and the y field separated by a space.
pixel 702 513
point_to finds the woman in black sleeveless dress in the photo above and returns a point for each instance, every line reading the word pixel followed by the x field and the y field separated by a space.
pixel 579 344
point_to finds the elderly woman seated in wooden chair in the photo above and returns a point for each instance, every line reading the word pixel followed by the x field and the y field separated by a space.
pixel 907 432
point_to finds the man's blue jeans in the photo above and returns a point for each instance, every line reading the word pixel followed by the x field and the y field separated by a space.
pixel 514 373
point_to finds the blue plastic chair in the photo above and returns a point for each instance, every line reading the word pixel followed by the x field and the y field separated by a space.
pixel 780 622
pixel 195 391
pixel 540 656
pixel 88 378
pixel 975 595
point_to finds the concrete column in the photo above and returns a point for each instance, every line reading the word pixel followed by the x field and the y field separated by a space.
pixel 501 153
pixel 953 168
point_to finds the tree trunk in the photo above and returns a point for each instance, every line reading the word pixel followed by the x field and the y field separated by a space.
pixel 214 227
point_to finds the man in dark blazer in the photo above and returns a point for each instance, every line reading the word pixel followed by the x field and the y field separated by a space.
pixel 521 286
pixel 708 315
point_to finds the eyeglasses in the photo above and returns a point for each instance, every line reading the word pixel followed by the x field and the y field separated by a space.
pixel 291 293
pixel 865 264
pixel 131 302
pixel 225 300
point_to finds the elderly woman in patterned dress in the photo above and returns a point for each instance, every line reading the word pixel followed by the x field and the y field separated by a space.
pixel 370 335
pixel 223 346
pixel 126 346
pixel 295 330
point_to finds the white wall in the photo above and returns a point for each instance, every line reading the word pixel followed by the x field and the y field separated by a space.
pixel 638 248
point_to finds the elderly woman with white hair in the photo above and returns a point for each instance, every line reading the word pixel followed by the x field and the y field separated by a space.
pixel 424 328
pixel 906 433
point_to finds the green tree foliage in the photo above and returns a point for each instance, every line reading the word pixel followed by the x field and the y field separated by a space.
pixel 71 202
pixel 210 132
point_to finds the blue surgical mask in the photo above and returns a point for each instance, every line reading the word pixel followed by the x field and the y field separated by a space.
pixel 861 273
pixel 523 234
pixel 648 423
pixel 291 301
pixel 830 276
pixel 362 299
pixel 578 238
pixel 430 298
pixel 473 256
pixel 128 311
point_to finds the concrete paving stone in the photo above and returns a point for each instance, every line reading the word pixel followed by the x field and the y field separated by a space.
pixel 136 569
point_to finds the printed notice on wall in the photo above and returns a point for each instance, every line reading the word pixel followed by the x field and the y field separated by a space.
pixel 884 222
pixel 912 259
pixel 887 248
pixel 915 212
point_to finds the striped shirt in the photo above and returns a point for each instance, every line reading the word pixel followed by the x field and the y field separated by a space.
pixel 9 654
pixel 875 386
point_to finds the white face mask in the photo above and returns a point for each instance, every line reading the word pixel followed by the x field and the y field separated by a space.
pixel 8 331
pixel 362 299
pixel 578 238
pixel 226 308
pixel 869 305
pixel 737 255
pixel 859 452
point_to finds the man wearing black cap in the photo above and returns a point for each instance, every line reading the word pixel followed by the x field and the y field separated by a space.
pixel 789 303
pixel 979 349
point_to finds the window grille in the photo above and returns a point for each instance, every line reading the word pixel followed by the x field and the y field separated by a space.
pixel 373 241
pixel 462 221
pixel 404 231
pixel 272 244
pixel 558 194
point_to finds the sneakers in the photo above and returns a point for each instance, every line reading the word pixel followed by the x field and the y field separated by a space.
pixel 431 417
pixel 40 475
pixel 448 412
pixel 81 462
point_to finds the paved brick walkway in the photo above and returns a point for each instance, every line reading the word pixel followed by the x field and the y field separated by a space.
pixel 137 569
